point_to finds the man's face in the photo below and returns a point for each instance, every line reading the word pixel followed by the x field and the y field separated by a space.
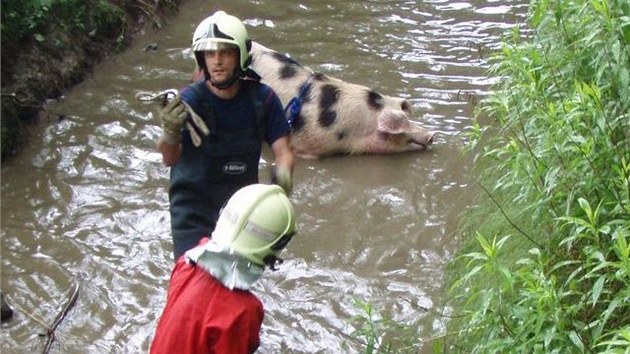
pixel 221 64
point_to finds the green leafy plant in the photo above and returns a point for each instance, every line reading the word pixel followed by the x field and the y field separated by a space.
pixel 378 334
pixel 554 168
pixel 84 30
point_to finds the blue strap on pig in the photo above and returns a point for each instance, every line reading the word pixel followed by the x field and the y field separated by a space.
pixel 294 107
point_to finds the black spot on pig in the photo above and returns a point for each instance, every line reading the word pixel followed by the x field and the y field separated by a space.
pixel 327 118
pixel 289 68
pixel 329 95
pixel 287 72
pixel 298 123
pixel 341 135
pixel 285 59
pixel 375 100
pixel 319 77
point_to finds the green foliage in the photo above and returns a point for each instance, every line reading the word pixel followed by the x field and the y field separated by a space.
pixel 21 19
pixel 378 334
pixel 557 176
pixel 84 30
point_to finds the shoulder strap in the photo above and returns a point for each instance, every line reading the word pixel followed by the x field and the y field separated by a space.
pixel 259 109
pixel 207 109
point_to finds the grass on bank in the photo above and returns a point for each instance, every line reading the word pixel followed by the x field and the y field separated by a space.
pixel 23 19
pixel 546 265
pixel 545 262
pixel 49 45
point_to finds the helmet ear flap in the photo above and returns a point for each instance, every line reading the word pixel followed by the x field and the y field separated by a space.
pixel 247 62
pixel 248 45
pixel 282 242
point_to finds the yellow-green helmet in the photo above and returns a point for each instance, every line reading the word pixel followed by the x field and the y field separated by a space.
pixel 257 223
pixel 220 30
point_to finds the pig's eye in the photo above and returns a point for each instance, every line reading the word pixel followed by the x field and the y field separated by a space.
pixel 405 106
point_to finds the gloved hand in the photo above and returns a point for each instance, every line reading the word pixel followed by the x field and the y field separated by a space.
pixel 195 125
pixel 172 118
pixel 282 176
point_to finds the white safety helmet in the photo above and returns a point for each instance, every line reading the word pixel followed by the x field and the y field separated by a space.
pixel 257 223
pixel 220 31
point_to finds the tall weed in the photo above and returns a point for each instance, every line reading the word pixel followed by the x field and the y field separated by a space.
pixel 557 160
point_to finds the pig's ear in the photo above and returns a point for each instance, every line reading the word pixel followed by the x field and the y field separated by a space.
pixel 404 105
pixel 392 122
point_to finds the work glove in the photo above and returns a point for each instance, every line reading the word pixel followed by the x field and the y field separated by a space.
pixel 173 118
pixel 195 125
pixel 282 176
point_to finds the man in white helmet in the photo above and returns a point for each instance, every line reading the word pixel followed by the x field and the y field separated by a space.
pixel 227 115
pixel 209 306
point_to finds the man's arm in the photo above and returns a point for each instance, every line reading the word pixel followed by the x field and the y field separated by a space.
pixel 283 173
pixel 170 153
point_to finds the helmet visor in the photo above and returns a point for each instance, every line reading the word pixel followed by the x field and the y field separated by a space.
pixel 213 44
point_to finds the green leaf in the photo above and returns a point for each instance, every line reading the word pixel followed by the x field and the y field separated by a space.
pixel 438 346
pixel 39 37
pixel 624 77
pixel 600 6
pixel 575 339
pixel 597 289
pixel 584 204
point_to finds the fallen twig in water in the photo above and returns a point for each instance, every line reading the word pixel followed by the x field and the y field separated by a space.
pixel 60 316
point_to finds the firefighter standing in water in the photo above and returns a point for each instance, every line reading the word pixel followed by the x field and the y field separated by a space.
pixel 212 133
pixel 209 306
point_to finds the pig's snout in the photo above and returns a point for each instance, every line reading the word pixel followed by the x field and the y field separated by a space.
pixel 423 144
pixel 420 136
pixel 424 141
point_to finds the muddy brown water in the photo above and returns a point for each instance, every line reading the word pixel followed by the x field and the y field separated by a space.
pixel 86 201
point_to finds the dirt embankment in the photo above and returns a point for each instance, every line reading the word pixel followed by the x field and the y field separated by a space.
pixel 40 63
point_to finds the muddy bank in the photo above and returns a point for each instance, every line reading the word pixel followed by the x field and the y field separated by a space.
pixel 39 63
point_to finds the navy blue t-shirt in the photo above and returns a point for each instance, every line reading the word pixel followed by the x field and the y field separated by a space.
pixel 205 177
pixel 232 114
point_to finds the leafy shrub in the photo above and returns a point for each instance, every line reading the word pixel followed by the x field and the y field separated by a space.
pixel 22 19
pixel 82 29
pixel 557 167
pixel 377 333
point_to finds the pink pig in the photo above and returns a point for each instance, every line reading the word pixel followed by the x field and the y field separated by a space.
pixel 329 116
